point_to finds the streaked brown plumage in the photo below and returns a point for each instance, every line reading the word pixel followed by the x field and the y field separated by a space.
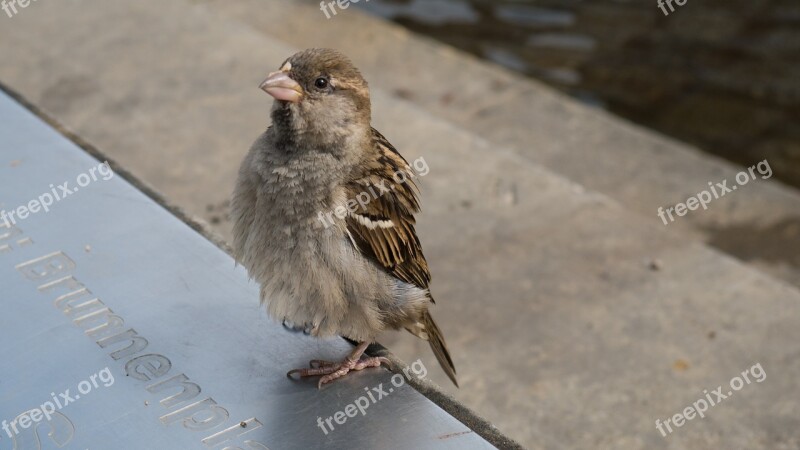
pixel 397 249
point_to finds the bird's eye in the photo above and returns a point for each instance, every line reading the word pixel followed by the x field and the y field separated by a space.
pixel 321 83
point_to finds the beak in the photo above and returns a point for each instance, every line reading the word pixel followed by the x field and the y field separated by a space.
pixel 282 87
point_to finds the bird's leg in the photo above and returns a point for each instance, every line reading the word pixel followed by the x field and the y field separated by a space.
pixel 331 371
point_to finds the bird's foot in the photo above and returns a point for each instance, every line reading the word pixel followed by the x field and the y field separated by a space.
pixel 330 371
pixel 307 329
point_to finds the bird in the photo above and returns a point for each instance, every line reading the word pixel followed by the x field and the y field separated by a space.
pixel 324 222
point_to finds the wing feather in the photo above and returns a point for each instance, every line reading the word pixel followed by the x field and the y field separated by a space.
pixel 383 228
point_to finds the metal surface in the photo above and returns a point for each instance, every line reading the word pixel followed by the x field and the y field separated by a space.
pixel 107 278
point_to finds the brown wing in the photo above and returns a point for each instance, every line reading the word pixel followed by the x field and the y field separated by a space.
pixel 383 227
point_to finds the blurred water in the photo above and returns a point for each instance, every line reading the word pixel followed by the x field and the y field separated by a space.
pixel 497 31
pixel 432 12
pixel 724 75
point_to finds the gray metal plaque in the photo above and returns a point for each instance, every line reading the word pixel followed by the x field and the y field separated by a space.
pixel 123 328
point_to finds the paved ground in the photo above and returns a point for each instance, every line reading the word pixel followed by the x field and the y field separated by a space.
pixel 577 319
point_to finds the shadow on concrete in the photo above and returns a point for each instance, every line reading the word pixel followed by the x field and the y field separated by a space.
pixel 777 242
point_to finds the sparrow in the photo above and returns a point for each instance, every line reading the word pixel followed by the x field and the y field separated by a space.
pixel 324 256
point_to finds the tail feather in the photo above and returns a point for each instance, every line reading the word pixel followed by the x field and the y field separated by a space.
pixel 439 347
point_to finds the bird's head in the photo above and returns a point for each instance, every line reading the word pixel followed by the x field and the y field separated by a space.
pixel 319 94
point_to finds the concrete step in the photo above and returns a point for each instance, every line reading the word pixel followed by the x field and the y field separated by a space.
pixel 548 293
pixel 759 224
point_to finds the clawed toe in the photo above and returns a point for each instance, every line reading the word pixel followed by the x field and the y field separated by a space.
pixel 312 371
pixel 350 365
pixel 316 363
pixel 291 373
pixel 384 362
